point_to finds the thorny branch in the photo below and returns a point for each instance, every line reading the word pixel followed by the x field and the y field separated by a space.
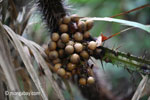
pixel 125 60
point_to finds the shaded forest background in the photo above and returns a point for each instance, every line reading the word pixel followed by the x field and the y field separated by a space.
pixel 118 80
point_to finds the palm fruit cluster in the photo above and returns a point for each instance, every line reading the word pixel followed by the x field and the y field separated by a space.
pixel 70 49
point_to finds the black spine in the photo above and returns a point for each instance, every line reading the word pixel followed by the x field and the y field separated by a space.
pixel 52 11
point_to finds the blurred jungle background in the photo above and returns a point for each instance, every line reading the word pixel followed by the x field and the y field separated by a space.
pixel 116 81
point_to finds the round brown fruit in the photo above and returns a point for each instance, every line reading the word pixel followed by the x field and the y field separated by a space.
pixel 63 28
pixel 52 45
pixel 61 53
pixel 78 36
pixel 89 24
pixel 56 67
pixel 78 47
pixel 46 51
pixel 61 72
pixel 90 80
pixel 71 66
pixel 86 34
pixel 84 55
pixel 66 19
pixel 81 26
pixel 70 43
pixel 56 61
pixel 53 54
pixel 92 45
pixel 75 18
pixel 60 44
pixel 68 75
pixel 55 37
pixel 82 81
pixel 65 37
pixel 69 49
pixel 75 58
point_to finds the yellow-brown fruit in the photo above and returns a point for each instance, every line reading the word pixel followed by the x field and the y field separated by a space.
pixel 71 66
pixel 46 51
pixel 66 19
pixel 60 44
pixel 56 61
pixel 69 49
pixel 53 55
pixel 82 81
pixel 90 80
pixel 75 58
pixel 84 55
pixel 70 43
pixel 61 53
pixel 89 24
pixel 65 37
pixel 61 72
pixel 78 47
pixel 68 75
pixel 75 18
pixel 78 36
pixel 81 26
pixel 92 45
pixel 52 46
pixel 63 28
pixel 55 37
pixel 56 67
pixel 86 34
